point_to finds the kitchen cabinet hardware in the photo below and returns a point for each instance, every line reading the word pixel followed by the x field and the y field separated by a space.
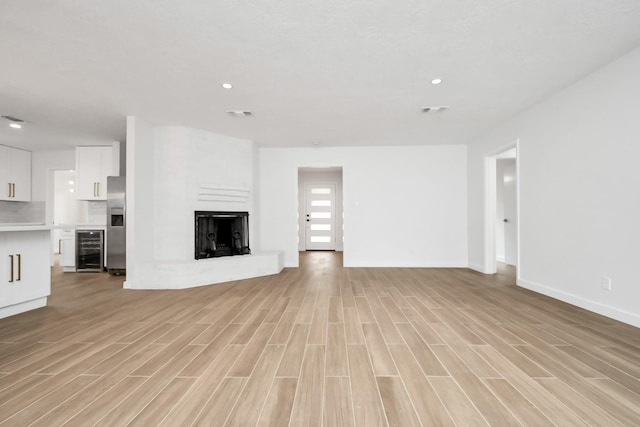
pixel 12 190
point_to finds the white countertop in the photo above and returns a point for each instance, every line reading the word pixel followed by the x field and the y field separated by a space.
pixel 91 226
pixel 24 227
pixel 79 226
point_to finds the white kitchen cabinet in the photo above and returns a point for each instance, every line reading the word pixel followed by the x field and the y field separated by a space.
pixel 93 165
pixel 15 174
pixel 25 273
pixel 68 250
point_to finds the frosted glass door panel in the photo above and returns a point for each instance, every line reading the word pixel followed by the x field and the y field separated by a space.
pixel 320 233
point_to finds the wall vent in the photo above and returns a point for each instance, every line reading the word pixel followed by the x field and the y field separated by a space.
pixel 239 113
pixel 439 109
pixel 13 119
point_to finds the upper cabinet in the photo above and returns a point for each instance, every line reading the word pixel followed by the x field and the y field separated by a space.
pixel 15 174
pixel 93 165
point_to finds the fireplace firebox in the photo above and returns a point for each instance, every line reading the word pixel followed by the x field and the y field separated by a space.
pixel 219 234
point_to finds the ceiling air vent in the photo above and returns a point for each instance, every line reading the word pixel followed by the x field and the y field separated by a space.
pixel 434 109
pixel 13 119
pixel 239 113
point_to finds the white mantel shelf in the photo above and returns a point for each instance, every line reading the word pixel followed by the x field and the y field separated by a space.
pixel 222 193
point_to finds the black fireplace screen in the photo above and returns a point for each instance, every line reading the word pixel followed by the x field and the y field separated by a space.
pixel 221 234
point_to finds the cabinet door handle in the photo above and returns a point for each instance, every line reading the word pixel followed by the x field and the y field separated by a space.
pixel 11 261
pixel 98 186
pixel 94 189
pixel 19 266
pixel 14 189
pixel 9 190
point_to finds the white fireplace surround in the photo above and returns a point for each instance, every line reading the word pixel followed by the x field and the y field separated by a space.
pixel 171 173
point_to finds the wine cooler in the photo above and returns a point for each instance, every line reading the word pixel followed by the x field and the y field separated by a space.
pixel 89 250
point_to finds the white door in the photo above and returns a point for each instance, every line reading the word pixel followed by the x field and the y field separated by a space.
pixel 320 221
pixel 510 214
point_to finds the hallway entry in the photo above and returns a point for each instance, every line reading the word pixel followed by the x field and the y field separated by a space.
pixel 320 209
pixel 501 209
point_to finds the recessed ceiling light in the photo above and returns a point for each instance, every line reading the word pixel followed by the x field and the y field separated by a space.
pixel 71 182
pixel 227 85
pixel 436 81
pixel 15 125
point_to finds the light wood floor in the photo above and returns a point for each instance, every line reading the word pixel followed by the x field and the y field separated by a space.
pixel 318 345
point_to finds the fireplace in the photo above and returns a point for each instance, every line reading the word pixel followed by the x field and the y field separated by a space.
pixel 219 234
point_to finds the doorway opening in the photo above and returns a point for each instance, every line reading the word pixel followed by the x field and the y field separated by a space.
pixel 506 211
pixel 502 210
pixel 66 212
pixel 320 209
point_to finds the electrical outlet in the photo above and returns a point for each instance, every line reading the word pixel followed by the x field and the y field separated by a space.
pixel 605 281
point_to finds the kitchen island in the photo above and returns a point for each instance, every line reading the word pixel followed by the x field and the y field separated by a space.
pixel 25 267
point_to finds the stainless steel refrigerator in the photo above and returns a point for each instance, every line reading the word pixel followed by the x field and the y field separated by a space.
pixel 116 225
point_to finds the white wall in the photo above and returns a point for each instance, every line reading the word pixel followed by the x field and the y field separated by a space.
pixel 139 198
pixel 579 198
pixel 403 206
pixel 319 176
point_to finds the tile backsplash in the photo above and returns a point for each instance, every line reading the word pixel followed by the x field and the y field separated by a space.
pixel 22 212
pixel 97 212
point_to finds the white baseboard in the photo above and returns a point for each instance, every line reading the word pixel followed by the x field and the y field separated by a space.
pixel 478 267
pixel 596 307
pixel 400 264
pixel 500 258
pixel 22 307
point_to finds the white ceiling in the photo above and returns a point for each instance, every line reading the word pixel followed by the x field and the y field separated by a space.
pixel 352 72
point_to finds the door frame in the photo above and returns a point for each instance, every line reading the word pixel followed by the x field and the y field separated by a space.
pixel 341 209
pixel 490 211
pixel 334 210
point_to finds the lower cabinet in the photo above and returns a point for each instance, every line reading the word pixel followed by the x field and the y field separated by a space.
pixel 25 272
pixel 68 250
